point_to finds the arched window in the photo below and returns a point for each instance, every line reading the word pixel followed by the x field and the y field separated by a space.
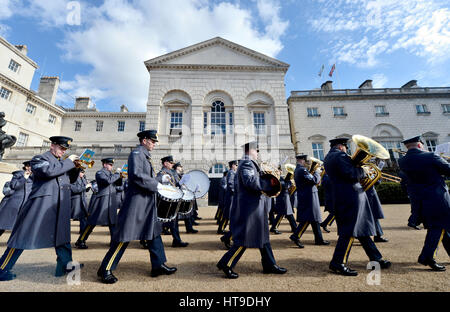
pixel 218 118
pixel 217 168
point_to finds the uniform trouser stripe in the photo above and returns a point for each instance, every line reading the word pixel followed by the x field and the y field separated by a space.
pixel 347 251
pixel 234 256
pixel 279 221
pixel 303 230
pixel 108 267
pixel 224 224
pixel 440 240
pixel 331 221
pixel 8 257
pixel 86 231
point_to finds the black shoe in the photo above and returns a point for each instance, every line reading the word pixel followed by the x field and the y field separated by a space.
pixel 324 243
pixel 226 242
pixel 228 271
pixel 342 270
pixel 192 231
pixel 106 276
pixel 384 264
pixel 144 244
pixel 179 244
pixel 7 276
pixel 433 265
pixel 163 270
pixel 275 269
pixel 296 241
pixel 275 231
pixel 325 229
pixel 197 218
pixel 413 226
pixel 81 245
pixel 379 239
pixel 195 223
pixel 220 232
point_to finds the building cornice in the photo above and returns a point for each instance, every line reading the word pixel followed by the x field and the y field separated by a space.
pixel 362 94
pixel 125 115
pixel 160 61
pixel 210 67
pixel 17 52
pixel 31 95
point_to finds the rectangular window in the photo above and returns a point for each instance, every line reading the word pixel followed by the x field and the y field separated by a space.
pixel 141 126
pixel 446 108
pixel 46 143
pixel 99 126
pixel 14 66
pixel 51 119
pixel 380 110
pixel 176 120
pixel 205 122
pixel 339 111
pixel 77 125
pixel 22 140
pixel 312 112
pixel 121 126
pixel 422 109
pixel 259 122
pixel 431 145
pixel 318 150
pixel 231 121
pixel 30 109
pixel 5 93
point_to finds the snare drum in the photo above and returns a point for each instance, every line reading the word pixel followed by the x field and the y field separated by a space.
pixel 167 202
pixel 186 203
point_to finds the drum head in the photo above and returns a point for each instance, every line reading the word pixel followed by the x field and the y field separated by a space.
pixel 198 183
pixel 171 192
pixel 188 195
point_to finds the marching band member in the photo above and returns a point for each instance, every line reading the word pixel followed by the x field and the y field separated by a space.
pixel 188 218
pixel 20 185
pixel 78 199
pixel 326 184
pixel 377 213
pixel 283 205
pixel 104 206
pixel 7 191
pixel 137 219
pixel 228 197
pixel 429 196
pixel 46 213
pixel 308 211
pixel 353 216
pixel 167 176
pixel 222 189
pixel 249 219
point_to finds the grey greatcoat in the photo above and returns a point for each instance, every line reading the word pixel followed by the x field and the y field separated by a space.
pixel 229 194
pixel 283 201
pixel 104 203
pixel 375 204
pixel 44 219
pixel 78 199
pixel 7 191
pixel 222 190
pixel 308 204
pixel 351 205
pixel 426 187
pixel 21 188
pixel 137 218
pixel 328 195
pixel 249 219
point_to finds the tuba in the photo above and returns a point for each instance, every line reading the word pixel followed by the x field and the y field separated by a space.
pixel 270 178
pixel 315 164
pixel 291 169
pixel 366 149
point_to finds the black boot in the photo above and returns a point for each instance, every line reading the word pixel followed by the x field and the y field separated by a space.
pixel 106 276
pixel 163 270
pixel 228 271
pixel 342 270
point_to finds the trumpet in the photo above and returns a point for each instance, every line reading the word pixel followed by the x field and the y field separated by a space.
pixel 391 177
pixel 79 163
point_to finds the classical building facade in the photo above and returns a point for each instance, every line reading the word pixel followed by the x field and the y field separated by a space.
pixel 387 115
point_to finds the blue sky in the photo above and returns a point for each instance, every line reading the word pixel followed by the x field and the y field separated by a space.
pixel 101 55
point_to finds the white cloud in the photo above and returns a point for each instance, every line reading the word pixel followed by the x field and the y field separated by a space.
pixel 379 81
pixel 368 29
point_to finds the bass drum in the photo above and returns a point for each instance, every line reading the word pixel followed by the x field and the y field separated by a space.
pixel 197 182
pixel 167 203
pixel 187 203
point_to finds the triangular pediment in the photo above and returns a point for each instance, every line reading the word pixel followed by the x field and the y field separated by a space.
pixel 216 52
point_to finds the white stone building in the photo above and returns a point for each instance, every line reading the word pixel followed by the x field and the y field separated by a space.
pixel 388 115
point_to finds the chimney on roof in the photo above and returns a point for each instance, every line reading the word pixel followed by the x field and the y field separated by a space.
pixel 22 48
pixel 48 87
pixel 366 84
pixel 410 84
pixel 328 85
pixel 123 108
pixel 83 103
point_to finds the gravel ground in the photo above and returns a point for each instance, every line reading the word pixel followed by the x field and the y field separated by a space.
pixel 307 268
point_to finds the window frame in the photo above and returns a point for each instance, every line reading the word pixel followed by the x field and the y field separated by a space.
pixel 5 93
pixel 318 153
pixel 256 126
pixel 119 124
pixel 312 112
pixel 78 125
pixel 141 125
pixel 52 119
pixel 99 125
pixel 19 139
pixel 343 114
pixel 17 68
pixel 33 110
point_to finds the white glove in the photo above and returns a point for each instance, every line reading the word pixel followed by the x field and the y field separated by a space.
pixel 26 174
pixel 185 179
pixel 160 186
pixel 73 157
pixel 165 178
pixel 88 185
